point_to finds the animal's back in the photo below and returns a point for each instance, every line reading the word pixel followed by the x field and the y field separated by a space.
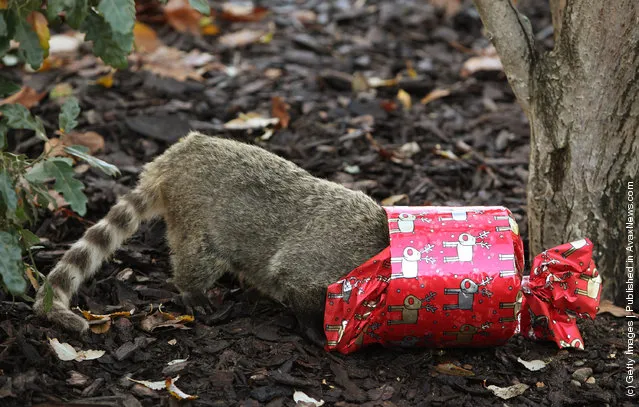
pixel 232 207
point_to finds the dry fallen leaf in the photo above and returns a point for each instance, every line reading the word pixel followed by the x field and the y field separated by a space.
pixel 301 397
pixel 532 365
pixel 434 95
pixel 279 109
pixel 106 81
pixel 26 96
pixel 394 199
pixel 508 392
pixel 445 153
pixel 145 37
pixel 54 147
pixel 606 306
pixel 381 83
pixel 242 12
pixel 160 319
pixel 250 121
pixel 181 16
pixel 241 38
pixel 405 99
pixel 94 141
pixel 176 392
pixel 169 385
pixel 183 65
pixel 453 370
pixel 481 63
pixel 66 352
pixel 32 278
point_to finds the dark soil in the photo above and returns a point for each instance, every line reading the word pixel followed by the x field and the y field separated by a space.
pixel 250 352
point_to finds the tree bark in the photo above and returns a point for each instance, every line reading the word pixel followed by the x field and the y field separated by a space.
pixel 583 109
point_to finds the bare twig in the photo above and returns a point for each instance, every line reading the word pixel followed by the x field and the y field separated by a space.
pixel 511 33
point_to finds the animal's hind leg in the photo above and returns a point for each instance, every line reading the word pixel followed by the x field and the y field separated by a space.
pixel 196 267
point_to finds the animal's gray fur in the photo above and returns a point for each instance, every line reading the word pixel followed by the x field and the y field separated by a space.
pixel 232 207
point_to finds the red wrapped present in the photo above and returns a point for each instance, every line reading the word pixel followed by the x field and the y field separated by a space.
pixel 452 276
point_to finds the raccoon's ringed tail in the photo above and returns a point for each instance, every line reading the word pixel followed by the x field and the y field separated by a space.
pixel 86 255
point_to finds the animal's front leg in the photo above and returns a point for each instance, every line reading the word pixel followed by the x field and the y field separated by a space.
pixel 311 326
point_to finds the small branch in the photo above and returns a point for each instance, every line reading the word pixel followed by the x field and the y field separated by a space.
pixel 512 36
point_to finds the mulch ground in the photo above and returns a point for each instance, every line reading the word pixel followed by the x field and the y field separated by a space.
pixel 249 352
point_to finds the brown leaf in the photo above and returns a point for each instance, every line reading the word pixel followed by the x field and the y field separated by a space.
pixel 405 99
pixel 26 96
pixel 183 65
pixel 434 95
pixel 453 370
pixel 181 16
pixel 279 109
pixel 241 38
pixel 606 306
pixel 32 279
pixel 54 147
pixel 394 199
pixel 240 12
pixel 146 39
pixel 481 63
pixel 90 139
pixel 106 81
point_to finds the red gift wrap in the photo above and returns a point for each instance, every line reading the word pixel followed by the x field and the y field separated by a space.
pixel 453 276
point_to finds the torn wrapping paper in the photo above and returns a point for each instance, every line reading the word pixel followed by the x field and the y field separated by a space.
pixel 452 276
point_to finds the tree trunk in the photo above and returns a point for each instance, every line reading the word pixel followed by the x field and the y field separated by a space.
pixel 583 106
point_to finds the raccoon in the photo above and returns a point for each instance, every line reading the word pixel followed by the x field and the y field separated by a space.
pixel 233 208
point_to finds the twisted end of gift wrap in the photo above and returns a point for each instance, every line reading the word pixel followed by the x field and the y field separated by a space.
pixel 564 284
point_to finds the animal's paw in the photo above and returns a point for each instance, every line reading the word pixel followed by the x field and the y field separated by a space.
pixel 196 303
pixel 61 315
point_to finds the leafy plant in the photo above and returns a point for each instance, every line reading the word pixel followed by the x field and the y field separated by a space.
pixel 24 187
pixel 24 181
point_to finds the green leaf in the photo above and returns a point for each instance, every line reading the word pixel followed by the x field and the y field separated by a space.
pixel 4 30
pixel 3 135
pixel 65 184
pixel 8 194
pixel 55 7
pixel 103 166
pixel 120 14
pixel 39 173
pixel 47 301
pixel 112 47
pixel 201 5
pixel 18 117
pixel 43 197
pixel 22 8
pixel 30 47
pixel 11 263
pixel 75 11
pixel 7 87
pixel 69 112
pixel 29 238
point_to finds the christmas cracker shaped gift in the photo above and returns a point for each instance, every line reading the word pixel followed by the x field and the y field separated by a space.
pixel 453 276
